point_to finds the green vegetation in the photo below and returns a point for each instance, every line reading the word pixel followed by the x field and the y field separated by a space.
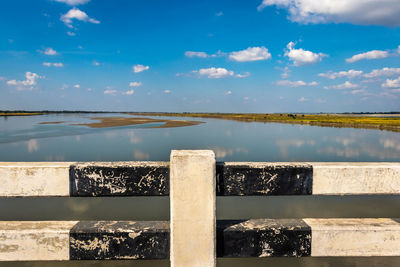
pixel 391 123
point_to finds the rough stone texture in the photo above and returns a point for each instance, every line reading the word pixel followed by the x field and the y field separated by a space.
pixel 354 237
pixel 258 178
pixel 34 179
pixel 99 240
pixel 34 241
pixel 120 179
pixel 193 202
pixel 264 238
pixel 356 178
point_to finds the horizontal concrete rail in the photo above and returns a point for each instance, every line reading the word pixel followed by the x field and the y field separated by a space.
pixel 102 240
pixel 233 179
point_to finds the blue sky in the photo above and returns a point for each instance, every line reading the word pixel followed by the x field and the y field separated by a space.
pixel 209 56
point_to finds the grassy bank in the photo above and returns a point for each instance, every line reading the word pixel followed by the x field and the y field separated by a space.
pixel 324 120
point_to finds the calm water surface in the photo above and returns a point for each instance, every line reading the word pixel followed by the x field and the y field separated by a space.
pixel 24 139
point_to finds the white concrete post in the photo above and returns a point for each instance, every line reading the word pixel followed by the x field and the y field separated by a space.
pixel 192 203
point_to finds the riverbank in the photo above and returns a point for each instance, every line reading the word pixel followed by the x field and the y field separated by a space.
pixel 390 123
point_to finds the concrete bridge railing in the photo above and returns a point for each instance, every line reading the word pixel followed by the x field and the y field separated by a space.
pixel 193 179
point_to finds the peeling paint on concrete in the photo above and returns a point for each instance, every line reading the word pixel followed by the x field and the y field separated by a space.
pixel 120 179
pixel 93 240
pixel 264 238
pixel 259 178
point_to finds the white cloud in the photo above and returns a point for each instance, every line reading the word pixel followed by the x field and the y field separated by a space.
pixel 96 63
pixel 244 75
pixel 110 92
pixel 219 14
pixel 129 92
pixel 215 73
pixel 196 54
pixel 398 49
pixel 295 83
pixel 392 83
pixel 383 72
pixel 313 83
pixel 166 91
pixel 342 74
pixel 251 54
pixel 358 92
pixel 73 2
pixel 77 14
pixel 285 73
pixel 139 68
pixel 28 83
pixel 320 101
pixel 77 86
pixel 135 84
pixel 343 86
pixel 50 52
pixel 71 33
pixel 302 99
pixel 374 54
pixel 192 54
pixel 228 92
pixel 363 12
pixel 302 57
pixel 56 64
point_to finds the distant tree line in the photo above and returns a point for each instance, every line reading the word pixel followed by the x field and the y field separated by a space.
pixel 54 111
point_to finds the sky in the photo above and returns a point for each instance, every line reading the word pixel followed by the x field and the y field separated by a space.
pixel 266 56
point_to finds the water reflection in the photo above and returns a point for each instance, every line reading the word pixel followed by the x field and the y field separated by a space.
pixel 285 144
pixel 221 153
pixel 139 155
pixel 387 147
pixel 230 140
pixel 32 145
pixel 133 139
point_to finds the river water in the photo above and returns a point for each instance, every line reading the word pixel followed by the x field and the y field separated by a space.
pixel 25 139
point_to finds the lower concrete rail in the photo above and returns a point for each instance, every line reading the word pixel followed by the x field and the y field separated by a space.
pixel 103 240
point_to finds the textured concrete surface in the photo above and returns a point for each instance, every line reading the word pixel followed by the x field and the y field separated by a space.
pixel 23 179
pixel 232 178
pixel 263 178
pixel 263 238
pixel 356 178
pixel 99 240
pixel 354 237
pixel 35 241
pixel 120 179
pixel 193 202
